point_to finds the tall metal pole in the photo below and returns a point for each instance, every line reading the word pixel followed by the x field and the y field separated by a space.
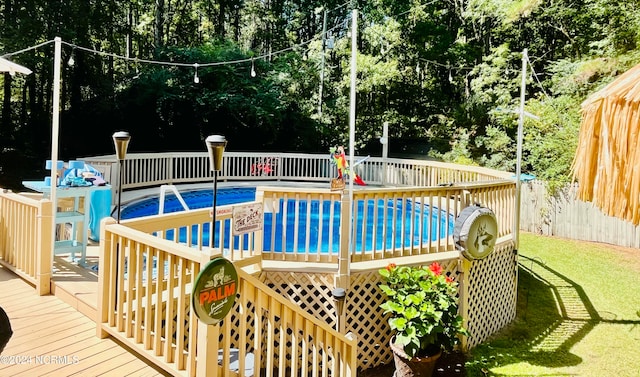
pixel 521 113
pixel 352 97
pixel 55 125
pixel 345 255
pixel 121 143
pixel 384 140
pixel 213 219
pixel 324 42
pixel 121 177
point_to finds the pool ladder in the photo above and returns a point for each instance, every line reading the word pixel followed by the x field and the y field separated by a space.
pixel 163 190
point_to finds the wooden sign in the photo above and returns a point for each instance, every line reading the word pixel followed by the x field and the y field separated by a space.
pixel 247 218
pixel 337 184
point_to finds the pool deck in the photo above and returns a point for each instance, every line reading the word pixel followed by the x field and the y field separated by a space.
pixel 63 324
pixel 55 335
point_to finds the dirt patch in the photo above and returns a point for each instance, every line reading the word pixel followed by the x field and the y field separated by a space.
pixel 449 365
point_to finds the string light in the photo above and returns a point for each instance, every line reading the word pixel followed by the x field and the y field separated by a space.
pixel 239 61
pixel 71 62
pixel 196 79
pixel 253 69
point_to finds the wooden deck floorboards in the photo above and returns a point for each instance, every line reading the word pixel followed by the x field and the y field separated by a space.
pixel 52 336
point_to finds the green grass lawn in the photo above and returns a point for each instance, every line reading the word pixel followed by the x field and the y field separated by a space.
pixel 578 313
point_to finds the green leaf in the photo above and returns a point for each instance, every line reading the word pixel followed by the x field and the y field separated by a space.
pixel 398 323
pixel 411 313
pixel 387 290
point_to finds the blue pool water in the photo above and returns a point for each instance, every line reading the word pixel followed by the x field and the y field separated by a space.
pixel 415 216
pixel 195 199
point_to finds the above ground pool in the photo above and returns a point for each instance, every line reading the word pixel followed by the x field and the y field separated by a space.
pixel 442 223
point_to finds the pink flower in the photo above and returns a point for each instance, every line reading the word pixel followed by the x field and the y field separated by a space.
pixel 436 268
pixel 449 279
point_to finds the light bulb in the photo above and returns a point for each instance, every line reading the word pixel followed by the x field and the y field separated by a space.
pixel 71 62
pixel 253 70
pixel 196 79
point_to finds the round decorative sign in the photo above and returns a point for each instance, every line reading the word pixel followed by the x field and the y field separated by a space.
pixel 475 232
pixel 214 292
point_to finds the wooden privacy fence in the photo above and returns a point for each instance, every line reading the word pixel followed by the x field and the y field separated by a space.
pixel 564 215
pixel 145 285
pixel 25 238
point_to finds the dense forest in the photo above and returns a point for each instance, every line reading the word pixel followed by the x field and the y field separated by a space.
pixel 273 75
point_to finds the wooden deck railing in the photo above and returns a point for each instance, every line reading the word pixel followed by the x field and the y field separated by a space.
pixel 308 224
pixel 146 169
pixel 387 222
pixel 192 228
pixel 25 238
pixel 146 282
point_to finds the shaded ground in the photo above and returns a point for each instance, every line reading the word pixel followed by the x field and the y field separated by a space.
pixel 449 365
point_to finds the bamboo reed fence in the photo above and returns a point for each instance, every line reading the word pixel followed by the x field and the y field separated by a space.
pixel 607 160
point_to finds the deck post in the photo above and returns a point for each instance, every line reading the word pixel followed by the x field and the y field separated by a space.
pixel 207 341
pixel 104 278
pixel 258 237
pixel 344 256
pixel 464 272
pixel 44 253
pixel 207 351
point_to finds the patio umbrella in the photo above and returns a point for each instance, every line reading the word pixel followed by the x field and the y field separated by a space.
pixel 607 160
pixel 12 68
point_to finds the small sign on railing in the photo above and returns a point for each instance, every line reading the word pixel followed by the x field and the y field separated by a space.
pixel 247 218
pixel 214 292
pixel 337 184
pixel 220 212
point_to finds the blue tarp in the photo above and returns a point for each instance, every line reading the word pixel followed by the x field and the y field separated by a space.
pixel 99 201
pixel 526 177
pixel 100 207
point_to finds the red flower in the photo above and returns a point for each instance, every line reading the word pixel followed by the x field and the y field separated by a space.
pixel 449 279
pixel 391 266
pixel 436 268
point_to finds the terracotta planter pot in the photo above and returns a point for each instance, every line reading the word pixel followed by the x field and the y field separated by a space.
pixel 412 367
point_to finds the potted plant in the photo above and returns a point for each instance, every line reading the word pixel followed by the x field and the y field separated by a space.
pixel 423 303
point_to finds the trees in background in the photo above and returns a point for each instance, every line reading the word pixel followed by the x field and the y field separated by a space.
pixel 445 73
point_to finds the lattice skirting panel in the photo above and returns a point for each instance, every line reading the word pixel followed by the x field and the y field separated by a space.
pixel 311 292
pixel 362 314
pixel 491 300
pixel 365 318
